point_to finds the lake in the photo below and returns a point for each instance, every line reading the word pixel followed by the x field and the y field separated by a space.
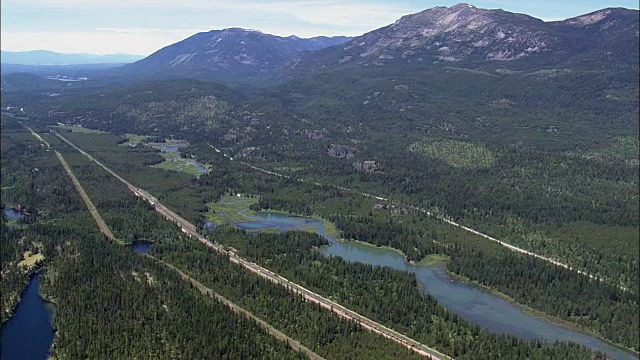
pixel 13 214
pixel 470 302
pixel 141 246
pixel 28 335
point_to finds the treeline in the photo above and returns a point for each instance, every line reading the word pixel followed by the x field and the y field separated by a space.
pixel 317 328
pixel 179 190
pixel 28 175
pixel 111 302
pixel 389 296
pixel 557 291
pixel 536 189
pixel 561 154
pixel 312 325
pixel 601 307
pixel 524 198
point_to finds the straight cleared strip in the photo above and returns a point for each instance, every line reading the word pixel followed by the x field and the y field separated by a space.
pixel 190 230
pixel 102 225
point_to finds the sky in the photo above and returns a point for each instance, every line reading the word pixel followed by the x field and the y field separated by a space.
pixel 144 26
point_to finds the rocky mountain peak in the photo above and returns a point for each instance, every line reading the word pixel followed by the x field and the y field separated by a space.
pixel 589 19
pixel 465 33
pixel 232 53
pixel 453 33
pixel 609 20
pixel 443 19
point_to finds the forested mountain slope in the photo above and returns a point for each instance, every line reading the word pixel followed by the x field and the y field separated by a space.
pixel 522 129
pixel 464 35
pixel 231 55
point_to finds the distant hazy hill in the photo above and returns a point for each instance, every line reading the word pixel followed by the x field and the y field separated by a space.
pixel 43 57
pixel 226 55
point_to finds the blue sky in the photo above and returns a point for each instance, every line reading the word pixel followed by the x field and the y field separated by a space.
pixel 144 26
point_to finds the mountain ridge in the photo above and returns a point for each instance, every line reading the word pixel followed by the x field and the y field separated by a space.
pixel 46 57
pixel 464 33
pixel 461 35
pixel 239 53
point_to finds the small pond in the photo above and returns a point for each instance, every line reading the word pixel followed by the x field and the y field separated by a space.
pixel 209 226
pixel 13 214
pixel 169 149
pixel 141 246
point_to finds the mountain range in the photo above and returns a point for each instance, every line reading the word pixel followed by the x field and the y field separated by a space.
pixel 44 57
pixel 228 54
pixel 466 34
pixel 461 35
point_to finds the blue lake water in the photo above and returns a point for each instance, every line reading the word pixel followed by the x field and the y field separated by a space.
pixel 200 169
pixel 13 214
pixel 470 302
pixel 209 226
pixel 166 148
pixel 28 334
pixel 141 246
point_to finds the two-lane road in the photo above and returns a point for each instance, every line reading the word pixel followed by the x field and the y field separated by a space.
pixel 191 230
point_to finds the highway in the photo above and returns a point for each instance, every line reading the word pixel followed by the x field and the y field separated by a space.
pixel 191 230
pixel 441 218
pixel 104 228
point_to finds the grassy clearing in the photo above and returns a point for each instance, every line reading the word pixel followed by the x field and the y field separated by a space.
pixel 226 210
pixel 433 260
pixel 330 228
pixel 79 129
pixel 173 162
pixel 134 139
pixel 621 148
pixel 234 209
pixel 265 231
pixel 30 260
pixel 172 159
pixel 459 154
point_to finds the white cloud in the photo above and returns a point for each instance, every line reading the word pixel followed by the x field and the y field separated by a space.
pixel 95 42
pixel 278 17
pixel 330 12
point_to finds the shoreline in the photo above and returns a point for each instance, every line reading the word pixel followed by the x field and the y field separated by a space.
pixel 441 265
pixel 29 276
pixel 538 314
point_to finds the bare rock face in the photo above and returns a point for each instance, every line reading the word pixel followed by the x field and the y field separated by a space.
pixel 341 151
pixel 316 134
pixel 460 32
pixel 368 166
pixel 464 33
pixel 233 52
